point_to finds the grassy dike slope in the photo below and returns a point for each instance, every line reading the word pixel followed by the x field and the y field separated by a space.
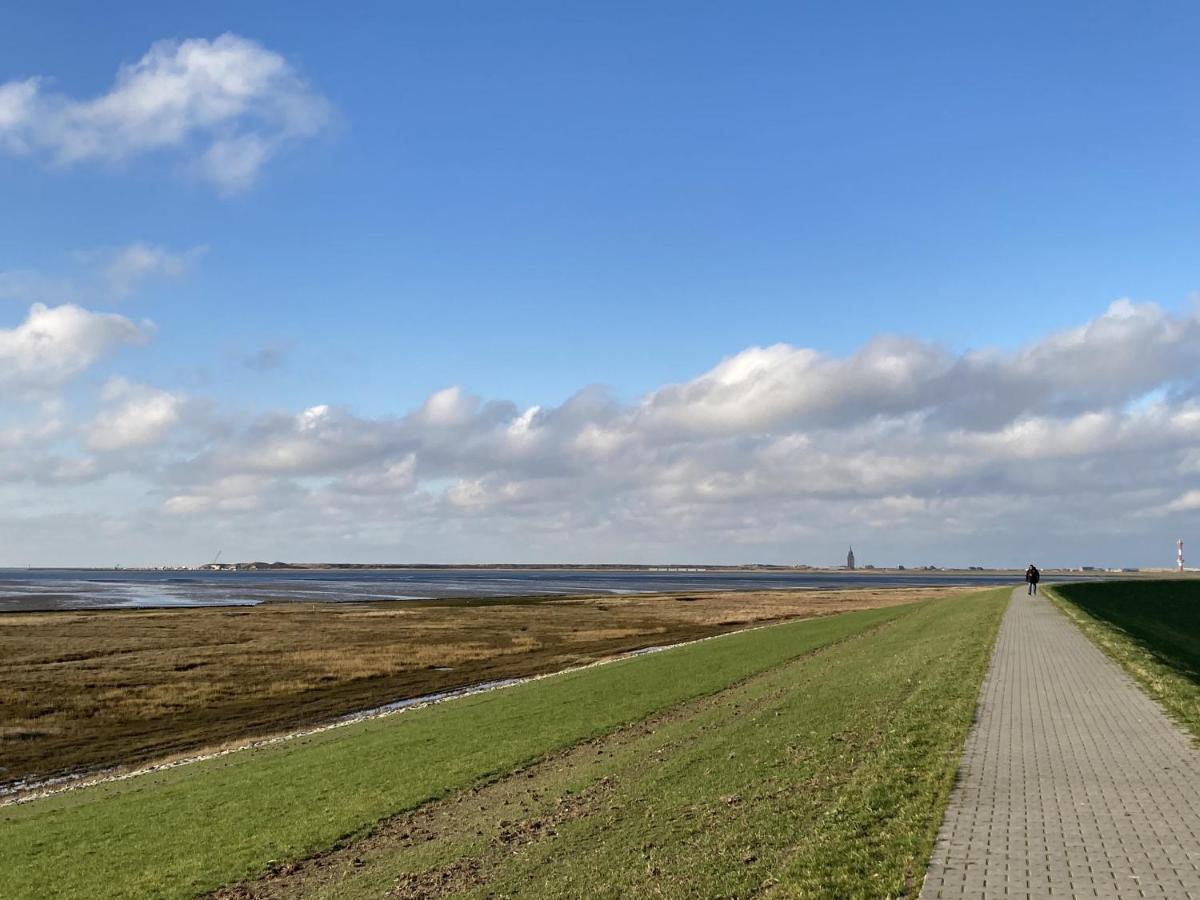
pixel 192 829
pixel 1152 628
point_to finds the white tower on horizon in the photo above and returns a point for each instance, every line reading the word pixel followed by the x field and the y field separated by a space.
pixel 1179 554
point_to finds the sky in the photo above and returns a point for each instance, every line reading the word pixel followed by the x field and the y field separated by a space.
pixel 534 282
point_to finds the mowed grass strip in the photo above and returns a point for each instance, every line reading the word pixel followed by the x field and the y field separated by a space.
pixel 1152 629
pixel 189 830
pixel 826 776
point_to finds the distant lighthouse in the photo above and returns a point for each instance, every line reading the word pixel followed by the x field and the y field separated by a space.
pixel 1179 554
pixel 850 559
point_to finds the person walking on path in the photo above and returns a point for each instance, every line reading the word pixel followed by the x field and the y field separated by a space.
pixel 1032 577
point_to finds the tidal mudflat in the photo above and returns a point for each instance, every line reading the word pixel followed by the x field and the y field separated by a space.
pixel 46 590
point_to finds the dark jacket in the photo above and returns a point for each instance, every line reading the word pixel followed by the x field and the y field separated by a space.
pixel 1032 575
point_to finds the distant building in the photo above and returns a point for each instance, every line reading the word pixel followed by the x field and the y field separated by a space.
pixel 850 559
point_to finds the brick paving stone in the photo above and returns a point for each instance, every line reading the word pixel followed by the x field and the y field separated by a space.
pixel 1073 783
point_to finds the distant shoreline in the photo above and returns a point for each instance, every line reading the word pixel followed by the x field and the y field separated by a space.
pixel 249 584
pixel 533 567
pixel 690 568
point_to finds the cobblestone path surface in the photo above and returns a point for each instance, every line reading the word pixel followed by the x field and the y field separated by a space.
pixel 1073 782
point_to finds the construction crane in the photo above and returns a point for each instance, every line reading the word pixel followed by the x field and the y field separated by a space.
pixel 217 558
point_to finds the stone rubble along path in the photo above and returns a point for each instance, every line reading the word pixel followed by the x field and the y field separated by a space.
pixel 1073 782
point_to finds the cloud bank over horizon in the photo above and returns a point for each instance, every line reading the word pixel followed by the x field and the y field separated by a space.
pixel 1080 447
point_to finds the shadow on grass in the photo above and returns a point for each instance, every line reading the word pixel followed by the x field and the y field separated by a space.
pixel 1161 617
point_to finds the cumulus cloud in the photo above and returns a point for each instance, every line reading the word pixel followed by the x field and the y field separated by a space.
pixel 320 440
pixel 134 415
pixel 773 444
pixel 1091 433
pixel 1116 357
pixel 232 494
pixel 54 344
pixel 225 106
pixel 765 387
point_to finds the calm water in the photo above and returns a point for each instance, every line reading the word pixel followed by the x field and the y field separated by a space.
pixel 47 589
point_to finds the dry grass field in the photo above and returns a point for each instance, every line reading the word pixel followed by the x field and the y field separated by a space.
pixel 85 690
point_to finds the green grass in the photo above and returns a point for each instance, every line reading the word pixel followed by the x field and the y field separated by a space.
pixel 192 829
pixel 840 762
pixel 824 777
pixel 1152 628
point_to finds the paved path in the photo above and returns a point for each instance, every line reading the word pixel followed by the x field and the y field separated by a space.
pixel 1073 783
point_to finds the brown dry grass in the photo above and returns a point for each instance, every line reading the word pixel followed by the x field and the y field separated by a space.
pixel 82 690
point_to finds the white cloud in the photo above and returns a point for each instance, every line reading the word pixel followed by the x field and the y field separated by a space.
pixel 900 435
pixel 1086 435
pixel 392 476
pixel 764 387
pixel 187 504
pixel 319 440
pixel 225 106
pixel 233 494
pixel 135 415
pixel 54 344
pixel 449 407
pixel 233 163
pixel 17 102
pixel 1189 502
pixel 129 266
pixel 102 273
pixel 31 433
pixel 1114 358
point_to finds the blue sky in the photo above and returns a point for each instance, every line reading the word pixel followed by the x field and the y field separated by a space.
pixel 529 199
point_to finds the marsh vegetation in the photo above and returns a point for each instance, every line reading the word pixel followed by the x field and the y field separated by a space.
pixel 82 690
